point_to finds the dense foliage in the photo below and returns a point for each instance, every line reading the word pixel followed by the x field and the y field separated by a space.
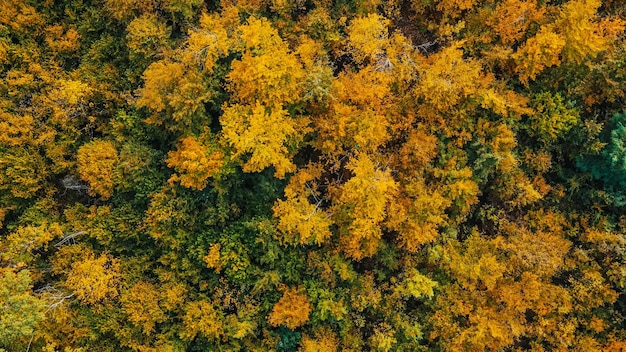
pixel 312 175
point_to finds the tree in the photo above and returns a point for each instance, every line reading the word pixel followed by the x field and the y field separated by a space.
pixel 15 129
pixel 610 165
pixel 96 165
pixel 20 17
pixel 176 94
pixel 585 36
pixel 553 118
pixel 292 310
pixel 513 18
pixel 417 213
pixel 195 163
pixel 147 37
pixel 139 170
pixel 448 80
pixel 141 304
pixel 126 10
pixel 266 79
pixel 202 318
pixel 21 311
pixel 358 116
pixel 539 52
pixel 324 340
pixel 267 73
pixel 362 206
pixel 213 40
pixel 367 38
pixel 301 221
pixel 265 133
pixel 24 172
pixel 94 279
pixel 22 246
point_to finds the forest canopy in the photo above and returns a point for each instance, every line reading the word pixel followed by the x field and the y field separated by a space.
pixel 312 175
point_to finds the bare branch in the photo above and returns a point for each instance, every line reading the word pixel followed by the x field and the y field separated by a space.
pixel 69 182
pixel 425 47
pixel 69 238
pixel 53 296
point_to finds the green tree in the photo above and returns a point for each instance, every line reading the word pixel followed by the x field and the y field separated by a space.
pixel 609 165
pixel 21 311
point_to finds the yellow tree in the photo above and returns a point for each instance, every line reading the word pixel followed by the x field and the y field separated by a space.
pixel 195 163
pixel 454 9
pixel 19 16
pixel 23 172
pixel 451 87
pixel 367 38
pixel 478 272
pixel 141 304
pixel 94 279
pixel 214 39
pixel 576 34
pixel 419 208
pixel 324 340
pixel 539 52
pixel 299 220
pixel 357 117
pixel 22 246
pixel 268 73
pixel 68 99
pixel 147 37
pixel 512 19
pixel 291 310
pixel 202 318
pixel 446 78
pixel 176 94
pixel 362 206
pixel 364 112
pixel 584 33
pixel 416 214
pixel 264 133
pixel 267 78
pixel 62 40
pixel 97 161
pixel 126 10
pixel 504 287
pixel 178 87
pixel 15 129
pixel 318 77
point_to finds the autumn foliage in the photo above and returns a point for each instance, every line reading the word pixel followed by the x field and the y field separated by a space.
pixel 187 175
pixel 291 310
pixel 96 162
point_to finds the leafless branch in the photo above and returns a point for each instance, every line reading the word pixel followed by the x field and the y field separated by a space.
pixel 69 238
pixel 69 182
pixel 425 47
pixel 53 296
